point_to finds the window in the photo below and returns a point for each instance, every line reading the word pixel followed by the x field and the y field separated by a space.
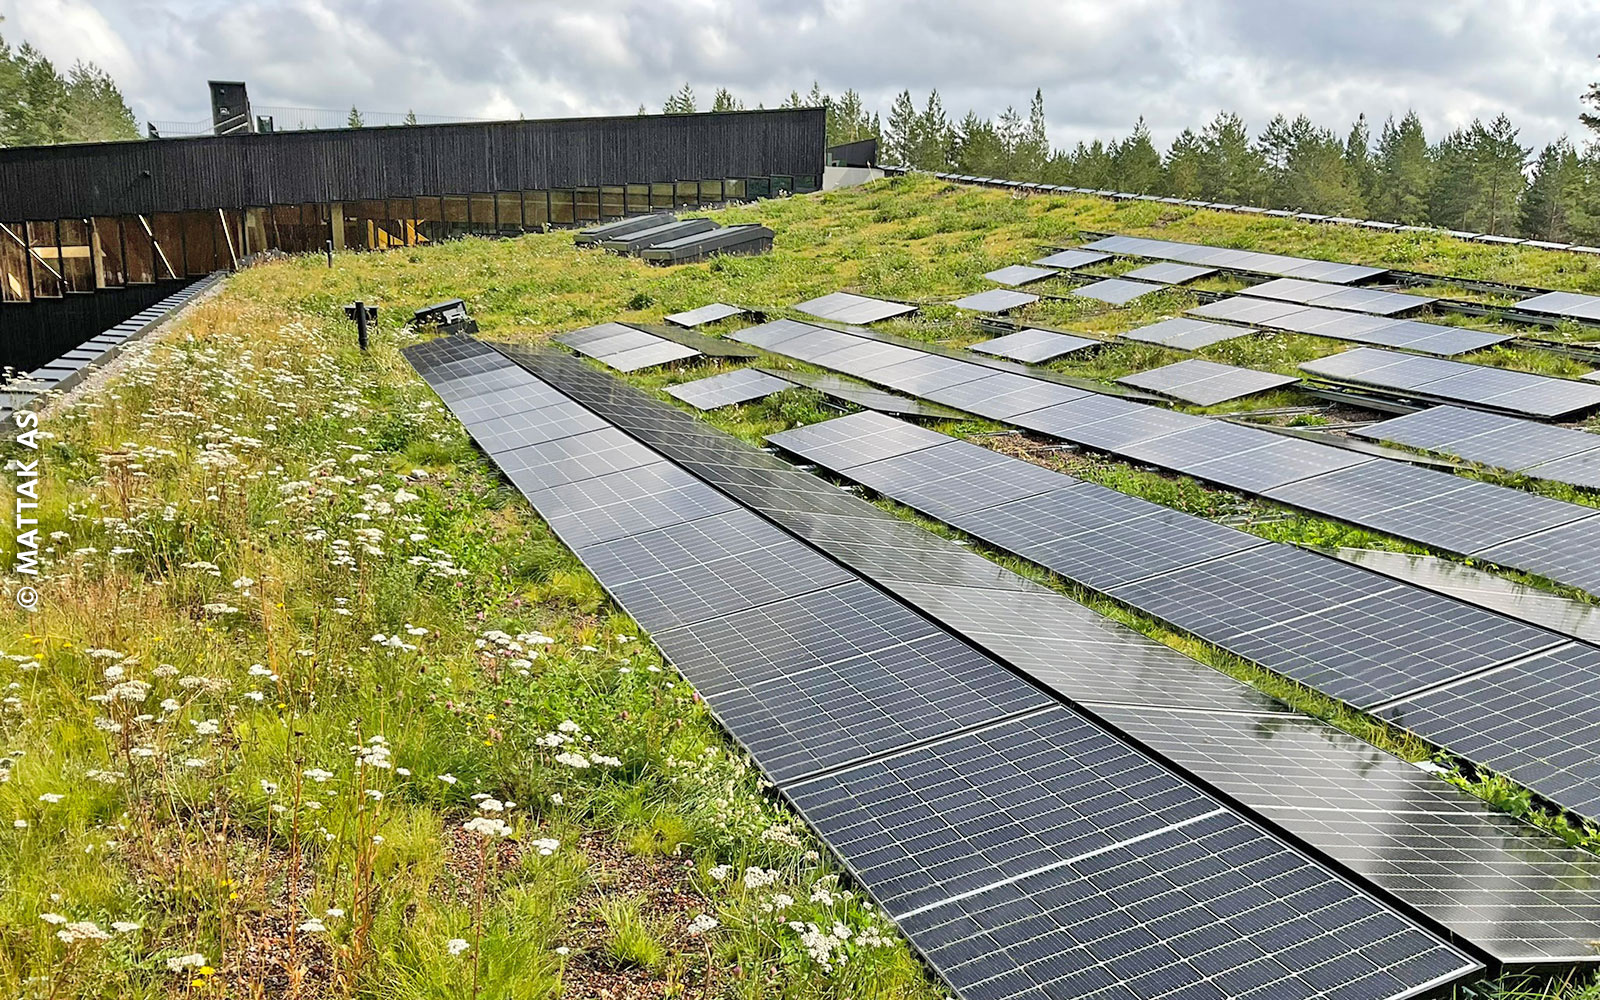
pixel 455 215
pixel 588 205
pixel 806 184
pixel 563 207
pixel 430 220
pixel 733 189
pixel 199 243
pixel 168 237
pixel 782 184
pixel 45 259
pixel 612 203
pixel 402 219
pixel 758 187
pixel 141 256
pixel 482 209
pixel 688 194
pixel 661 196
pixel 710 192
pixel 535 209
pixel 110 269
pixel 636 199
pixel 508 211
pixel 77 260
pixel 14 284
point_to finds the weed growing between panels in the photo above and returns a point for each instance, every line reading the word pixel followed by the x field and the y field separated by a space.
pixel 313 706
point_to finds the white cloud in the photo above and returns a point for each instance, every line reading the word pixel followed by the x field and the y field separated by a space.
pixel 1100 65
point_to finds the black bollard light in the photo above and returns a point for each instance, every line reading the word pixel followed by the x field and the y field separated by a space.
pixel 362 314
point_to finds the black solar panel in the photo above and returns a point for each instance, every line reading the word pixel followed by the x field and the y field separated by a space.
pixel 1034 346
pixel 519 430
pixel 855 440
pixel 1205 382
pixel 956 477
pixel 1537 721
pixel 1339 629
pixel 995 300
pixel 1519 894
pixel 1494 440
pixel 570 459
pixel 1313 293
pixel 1004 395
pixel 626 503
pixel 844 307
pixel 727 388
pixel 1019 274
pixel 1117 291
pixel 865 396
pixel 1185 334
pixel 1169 274
pixel 1070 259
pixel 1079 869
pixel 1475 385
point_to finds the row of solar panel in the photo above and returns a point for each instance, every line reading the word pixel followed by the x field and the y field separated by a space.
pixel 665 239
pixel 1417 658
pixel 1520 895
pixel 1281 265
pixel 1280 213
pixel 1459 382
pixel 1027 852
pixel 1538 451
pixel 626 348
pixel 1551 538
pixel 1340 325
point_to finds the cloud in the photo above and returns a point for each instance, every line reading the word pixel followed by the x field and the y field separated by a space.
pixel 1100 65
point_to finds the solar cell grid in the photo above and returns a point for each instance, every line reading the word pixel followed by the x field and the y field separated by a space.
pixel 995 300
pixel 626 503
pixel 1004 394
pixel 1204 382
pixel 951 479
pixel 1185 334
pixel 1019 274
pixel 1342 630
pixel 590 335
pixel 1537 721
pixel 570 459
pixel 1244 260
pixel 770 335
pixel 1564 553
pixel 709 313
pixel 739 386
pixel 1500 388
pixel 1033 346
pixel 519 430
pixel 649 355
pixel 845 307
pixel 1070 259
pixel 1169 274
pixel 1112 434
pixel 855 440
pixel 928 373
pixel 1518 894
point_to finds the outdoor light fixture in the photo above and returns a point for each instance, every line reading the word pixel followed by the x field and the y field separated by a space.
pixel 449 317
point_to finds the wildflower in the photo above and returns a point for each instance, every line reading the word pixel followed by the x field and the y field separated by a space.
pixel 208 727
pixel 563 951
pixel 701 924
pixel 134 691
pixel 573 760
pixel 568 726
pixel 82 930
pixel 546 846
pixel 556 799
pixel 51 798
pixel 487 827
pixel 374 795
pixel 758 878
pixel 448 779
pixel 312 926
pixel 52 918
pixel 720 872
pixel 335 912
pixel 317 774
pixel 20 824
pixel 124 926
pixel 489 805
pixel 456 946
pixel 269 787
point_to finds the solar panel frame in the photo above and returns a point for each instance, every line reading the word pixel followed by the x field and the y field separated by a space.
pixel 1205 383
pixel 726 388
pixel 1167 273
pixel 1019 274
pixel 1033 346
pixel 1181 333
pixel 711 312
pixel 1072 259
pixel 1116 291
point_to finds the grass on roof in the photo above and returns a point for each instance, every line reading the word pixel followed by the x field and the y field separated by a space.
pixel 300 654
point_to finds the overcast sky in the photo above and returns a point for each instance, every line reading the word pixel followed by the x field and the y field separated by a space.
pixel 1101 63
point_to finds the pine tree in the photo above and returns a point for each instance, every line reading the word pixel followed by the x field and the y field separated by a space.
pixel 1403 173
pixel 725 101
pixel 1274 144
pixel 411 117
pixel 1233 167
pixel 1135 163
pixel 816 98
pixel 1358 162
pixel 1450 191
pixel 353 120
pixel 1591 97
pixel 642 110
pixel 1184 166
pixel 35 115
pixel 1316 178
pixel 1498 161
pixel 793 100
pixel 680 103
pixel 900 138
pixel 1551 200
pixel 1012 133
pixel 848 120
pixel 932 138
pixel 1033 147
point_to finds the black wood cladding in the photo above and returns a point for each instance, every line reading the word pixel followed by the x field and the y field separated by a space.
pixel 48 182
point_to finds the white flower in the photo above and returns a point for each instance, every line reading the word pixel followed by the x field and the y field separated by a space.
pixel 124 926
pixel 82 930
pixel 486 826
pixel 575 760
pixel 556 799
pixel 720 872
pixel 568 726
pixel 317 774
pixel 448 779
pixel 563 950
pixel 489 805
pixel 20 824
pixel 180 962
pixel 456 945
pixel 546 846
pixel 758 878
pixel 701 924
pixel 312 926
pixel 52 918
pixel 335 912
pixel 51 797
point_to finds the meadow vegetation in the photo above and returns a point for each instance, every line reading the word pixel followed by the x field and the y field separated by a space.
pixel 315 706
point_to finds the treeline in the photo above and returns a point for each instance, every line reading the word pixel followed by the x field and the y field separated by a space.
pixel 1479 178
pixel 39 105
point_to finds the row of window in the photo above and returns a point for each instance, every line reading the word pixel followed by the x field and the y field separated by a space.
pixel 65 256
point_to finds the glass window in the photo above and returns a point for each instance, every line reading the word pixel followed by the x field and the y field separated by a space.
pixel 636 200
pixel 611 203
pixel 430 219
pixel 508 211
pixel 199 243
pixel 688 194
pixel 401 221
pixel 110 271
pixel 804 184
pixel 77 258
pixel 14 284
pixel 140 255
pixel 782 184
pixel 588 202
pixel 661 196
pixel 45 259
pixel 758 187
pixel 167 237
pixel 455 215
pixel 535 209
pixel 710 192
pixel 733 189
pixel 229 237
pixel 563 208
pixel 482 213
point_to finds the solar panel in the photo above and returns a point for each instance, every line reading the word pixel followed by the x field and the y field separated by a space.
pixel 769 336
pixel 995 300
pixel 1570 304
pixel 1169 274
pixel 706 568
pixel 1079 868
pixel 1099 537
pixel 927 373
pixel 519 430
pixel 1195 446
pixel 1491 439
pixel 866 396
pixel 1019 274
pixel 1314 293
pixel 1518 894
pixel 844 307
pixel 1245 310
pixel 1185 334
pixel 1117 291
pixel 570 459
pixel 626 503
pixel 648 356
pixel 1003 395
pixel 709 313
pixel 739 386
pixel 1205 382
pixel 1450 512
pixel 1034 346
pixel 1339 629
pixel 1242 260
pixel 1537 721
pixel 855 439
pixel 1136 422
pixel 1564 554
pixel 956 477
pixel 1477 385
pixel 604 338
pixel 1070 259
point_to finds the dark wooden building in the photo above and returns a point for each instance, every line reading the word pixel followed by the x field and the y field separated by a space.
pixel 77 219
